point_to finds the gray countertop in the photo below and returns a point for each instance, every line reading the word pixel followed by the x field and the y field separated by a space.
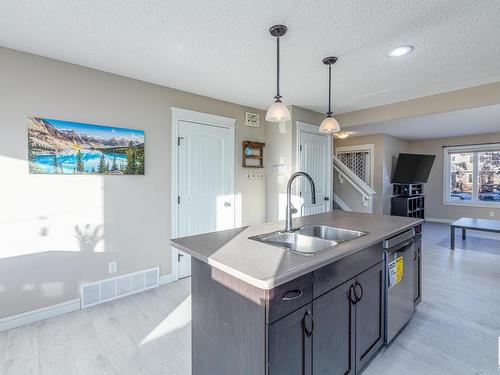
pixel 265 266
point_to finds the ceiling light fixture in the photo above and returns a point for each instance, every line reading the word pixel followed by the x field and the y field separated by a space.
pixel 329 124
pixel 278 111
pixel 342 135
pixel 401 51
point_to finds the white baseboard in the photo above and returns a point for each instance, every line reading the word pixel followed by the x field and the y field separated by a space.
pixel 439 220
pixel 33 316
pixel 165 279
pixel 48 312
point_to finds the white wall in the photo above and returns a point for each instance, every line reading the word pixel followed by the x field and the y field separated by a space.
pixel 47 242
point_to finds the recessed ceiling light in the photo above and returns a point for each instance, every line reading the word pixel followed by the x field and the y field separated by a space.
pixel 401 51
pixel 342 135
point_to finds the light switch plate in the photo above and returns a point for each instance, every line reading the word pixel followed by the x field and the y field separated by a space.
pixel 112 267
pixel 282 127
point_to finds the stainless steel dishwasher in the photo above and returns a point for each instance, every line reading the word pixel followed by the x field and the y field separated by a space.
pixel 399 282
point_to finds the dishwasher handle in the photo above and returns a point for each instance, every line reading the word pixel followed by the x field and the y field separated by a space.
pixel 399 239
pixel 403 246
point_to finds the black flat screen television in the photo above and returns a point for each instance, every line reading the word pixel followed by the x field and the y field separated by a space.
pixel 412 168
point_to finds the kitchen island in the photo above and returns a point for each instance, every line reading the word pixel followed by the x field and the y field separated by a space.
pixel 261 309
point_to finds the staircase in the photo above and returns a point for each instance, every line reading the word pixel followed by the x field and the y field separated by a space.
pixel 350 193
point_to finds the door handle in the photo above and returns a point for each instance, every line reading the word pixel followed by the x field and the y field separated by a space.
pixel 306 334
pixel 227 204
pixel 352 293
pixel 307 331
pixel 356 291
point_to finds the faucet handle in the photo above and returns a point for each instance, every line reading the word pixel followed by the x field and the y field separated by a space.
pixel 293 210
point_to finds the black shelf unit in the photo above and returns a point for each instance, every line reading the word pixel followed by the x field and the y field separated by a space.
pixel 408 201
pixel 407 190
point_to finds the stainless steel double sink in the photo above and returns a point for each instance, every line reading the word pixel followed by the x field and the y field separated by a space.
pixel 309 239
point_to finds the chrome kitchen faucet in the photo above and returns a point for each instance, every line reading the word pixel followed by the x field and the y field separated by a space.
pixel 289 206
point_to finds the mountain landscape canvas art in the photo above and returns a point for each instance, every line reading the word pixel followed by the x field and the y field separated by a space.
pixel 65 147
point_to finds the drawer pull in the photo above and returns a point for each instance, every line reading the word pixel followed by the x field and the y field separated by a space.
pixel 291 295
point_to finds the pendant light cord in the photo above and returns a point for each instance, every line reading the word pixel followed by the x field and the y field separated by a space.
pixel 278 96
pixel 329 113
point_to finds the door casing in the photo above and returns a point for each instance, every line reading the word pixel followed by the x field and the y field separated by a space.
pixel 314 129
pixel 181 114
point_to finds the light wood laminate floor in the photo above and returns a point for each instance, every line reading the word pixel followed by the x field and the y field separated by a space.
pixel 454 330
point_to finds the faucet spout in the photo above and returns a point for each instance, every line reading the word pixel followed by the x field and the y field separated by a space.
pixel 289 207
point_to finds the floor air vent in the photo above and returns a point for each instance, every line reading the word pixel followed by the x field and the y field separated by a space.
pixel 120 286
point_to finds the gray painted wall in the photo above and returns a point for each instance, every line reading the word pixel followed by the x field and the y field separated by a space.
pixel 385 149
pixel 435 208
pixel 392 147
pixel 43 258
pixel 282 143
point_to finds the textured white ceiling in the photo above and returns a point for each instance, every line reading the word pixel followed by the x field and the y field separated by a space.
pixel 222 48
pixel 481 120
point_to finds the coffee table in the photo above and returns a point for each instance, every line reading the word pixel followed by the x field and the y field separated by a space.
pixel 468 223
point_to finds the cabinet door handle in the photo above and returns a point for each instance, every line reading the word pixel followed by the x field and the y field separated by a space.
pixel 352 293
pixel 415 255
pixel 227 204
pixel 291 295
pixel 306 334
pixel 358 298
pixel 307 331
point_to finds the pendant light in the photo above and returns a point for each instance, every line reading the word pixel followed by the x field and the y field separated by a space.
pixel 278 111
pixel 329 124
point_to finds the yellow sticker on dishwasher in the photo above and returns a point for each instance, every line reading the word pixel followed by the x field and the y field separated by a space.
pixel 395 271
pixel 399 269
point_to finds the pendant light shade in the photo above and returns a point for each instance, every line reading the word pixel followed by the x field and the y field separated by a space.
pixel 329 124
pixel 278 111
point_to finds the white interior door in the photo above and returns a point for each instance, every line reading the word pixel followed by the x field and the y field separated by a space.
pixel 314 159
pixel 205 188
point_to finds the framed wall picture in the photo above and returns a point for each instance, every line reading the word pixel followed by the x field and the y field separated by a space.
pixel 65 147
pixel 252 119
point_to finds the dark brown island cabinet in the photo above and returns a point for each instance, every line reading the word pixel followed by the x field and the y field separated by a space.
pixel 329 321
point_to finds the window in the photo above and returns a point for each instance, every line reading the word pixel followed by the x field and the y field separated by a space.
pixel 472 175
pixel 488 179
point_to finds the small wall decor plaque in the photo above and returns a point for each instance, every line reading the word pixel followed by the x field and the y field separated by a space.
pixel 64 147
pixel 252 119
